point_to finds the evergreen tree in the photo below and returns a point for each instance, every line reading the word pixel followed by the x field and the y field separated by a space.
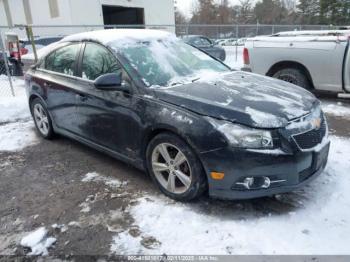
pixel 308 11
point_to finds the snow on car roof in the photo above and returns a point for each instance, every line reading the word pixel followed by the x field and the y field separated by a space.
pixel 315 33
pixel 305 36
pixel 105 37
pixel 111 35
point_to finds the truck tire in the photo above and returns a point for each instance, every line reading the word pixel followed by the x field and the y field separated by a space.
pixel 293 76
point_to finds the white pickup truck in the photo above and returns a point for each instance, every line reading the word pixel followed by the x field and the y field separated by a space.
pixel 315 60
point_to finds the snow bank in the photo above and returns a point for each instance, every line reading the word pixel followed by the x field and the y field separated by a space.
pixel 318 223
pixel 13 108
pixel 16 126
pixel 38 242
pixel 337 110
pixel 18 135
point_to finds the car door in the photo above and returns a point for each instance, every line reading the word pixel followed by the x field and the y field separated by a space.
pixel 108 118
pixel 56 75
pixel 206 45
pixel 346 70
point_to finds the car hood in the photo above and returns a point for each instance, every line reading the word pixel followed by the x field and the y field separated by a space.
pixel 242 97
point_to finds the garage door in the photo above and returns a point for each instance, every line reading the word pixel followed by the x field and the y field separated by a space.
pixel 118 15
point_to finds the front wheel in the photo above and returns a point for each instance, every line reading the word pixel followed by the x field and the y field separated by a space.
pixel 42 119
pixel 293 76
pixel 175 168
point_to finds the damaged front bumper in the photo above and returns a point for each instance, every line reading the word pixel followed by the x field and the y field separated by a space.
pixel 284 172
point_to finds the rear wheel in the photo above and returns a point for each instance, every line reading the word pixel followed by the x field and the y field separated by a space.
pixel 293 76
pixel 175 168
pixel 42 119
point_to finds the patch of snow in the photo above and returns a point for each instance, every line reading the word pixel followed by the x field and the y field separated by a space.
pixel 112 182
pixel 18 135
pixel 13 108
pixel 90 177
pixel 74 224
pixel 85 207
pixel 317 225
pixel 38 242
pixel 62 227
pixel 337 110
pixel 125 241
pixel 264 119
pixel 234 57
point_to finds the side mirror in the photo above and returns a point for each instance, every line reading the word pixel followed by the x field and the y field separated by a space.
pixel 110 82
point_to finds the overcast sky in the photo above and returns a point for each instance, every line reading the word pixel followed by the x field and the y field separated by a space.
pixel 186 5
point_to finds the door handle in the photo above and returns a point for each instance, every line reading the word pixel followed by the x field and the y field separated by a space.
pixel 81 97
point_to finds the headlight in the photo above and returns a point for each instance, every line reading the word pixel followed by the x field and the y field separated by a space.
pixel 241 136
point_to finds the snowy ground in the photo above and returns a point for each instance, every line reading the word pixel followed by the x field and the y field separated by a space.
pixel 321 215
pixel 16 126
pixel 234 56
pixel 59 197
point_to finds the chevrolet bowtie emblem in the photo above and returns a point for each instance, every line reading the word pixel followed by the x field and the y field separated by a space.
pixel 316 123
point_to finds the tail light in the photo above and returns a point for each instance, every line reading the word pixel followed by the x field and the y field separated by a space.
pixel 246 59
pixel 24 51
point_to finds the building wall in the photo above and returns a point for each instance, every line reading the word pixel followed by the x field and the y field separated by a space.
pixel 84 12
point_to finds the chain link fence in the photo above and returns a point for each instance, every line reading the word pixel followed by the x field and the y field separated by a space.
pixel 45 34
pixel 6 85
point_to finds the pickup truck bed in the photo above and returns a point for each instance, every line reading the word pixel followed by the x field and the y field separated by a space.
pixel 312 60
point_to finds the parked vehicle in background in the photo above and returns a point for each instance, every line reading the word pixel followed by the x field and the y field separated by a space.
pixel 40 42
pixel 229 42
pixel 147 98
pixel 206 45
pixel 241 41
pixel 219 41
pixel 314 60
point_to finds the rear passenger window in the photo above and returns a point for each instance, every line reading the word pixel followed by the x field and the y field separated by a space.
pixel 97 61
pixel 63 60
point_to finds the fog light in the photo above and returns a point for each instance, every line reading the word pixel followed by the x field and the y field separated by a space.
pixel 267 182
pixel 217 175
pixel 247 183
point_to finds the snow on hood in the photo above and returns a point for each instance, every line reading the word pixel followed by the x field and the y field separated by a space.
pixel 242 97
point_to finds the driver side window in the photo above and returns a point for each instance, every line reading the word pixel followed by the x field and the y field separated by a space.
pixel 97 61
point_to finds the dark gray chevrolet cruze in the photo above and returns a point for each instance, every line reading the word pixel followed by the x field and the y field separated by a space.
pixel 147 98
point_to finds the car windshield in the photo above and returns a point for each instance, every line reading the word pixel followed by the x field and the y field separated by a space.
pixel 165 63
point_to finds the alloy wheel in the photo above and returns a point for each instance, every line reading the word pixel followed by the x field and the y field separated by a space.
pixel 41 119
pixel 171 168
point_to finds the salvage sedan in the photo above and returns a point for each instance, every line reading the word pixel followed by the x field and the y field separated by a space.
pixel 193 124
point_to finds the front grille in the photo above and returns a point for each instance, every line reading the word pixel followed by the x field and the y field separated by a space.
pixel 311 138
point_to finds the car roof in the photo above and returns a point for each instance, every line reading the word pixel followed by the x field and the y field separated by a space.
pixel 111 35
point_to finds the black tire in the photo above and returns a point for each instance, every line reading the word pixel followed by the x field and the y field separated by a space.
pixel 50 133
pixel 294 76
pixel 198 178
